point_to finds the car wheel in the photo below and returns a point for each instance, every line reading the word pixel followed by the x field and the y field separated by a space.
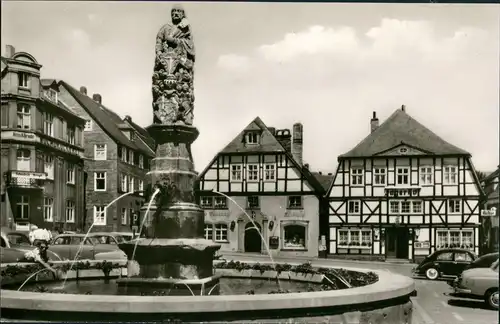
pixel 432 274
pixel 491 298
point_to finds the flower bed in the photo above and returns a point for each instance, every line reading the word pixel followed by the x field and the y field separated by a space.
pixel 332 279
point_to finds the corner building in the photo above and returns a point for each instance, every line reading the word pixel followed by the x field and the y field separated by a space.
pixel 402 193
pixel 43 181
pixel 117 157
pixel 261 171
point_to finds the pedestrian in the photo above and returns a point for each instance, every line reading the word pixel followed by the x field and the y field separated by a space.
pixel 40 239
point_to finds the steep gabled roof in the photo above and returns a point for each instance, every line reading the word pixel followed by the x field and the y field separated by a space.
pixel 268 143
pixel 105 118
pixel 401 128
pixel 324 179
pixel 143 134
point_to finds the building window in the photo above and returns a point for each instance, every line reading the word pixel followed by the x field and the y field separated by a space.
pixel 220 233
pixel 100 152
pixel 70 211
pixel 24 80
pixel 394 207
pixel 252 138
pixel 23 116
pixel 295 202
pixel 235 172
pixel 131 184
pixel 252 172
pixel 124 216
pixel 294 237
pixel 131 157
pixel 141 187
pixel 454 239
pixel 48 124
pixel 354 207
pixel 403 150
pixel 209 232
pixel 124 183
pixel 220 202
pixel 70 178
pixel 124 154
pixel 403 176
pixel 50 94
pixel 88 125
pixel 379 176
pixel 253 202
pixel 416 207
pixel 206 202
pixel 454 206
pixel 48 209
pixel 135 216
pixel 405 207
pixel 70 132
pixel 99 215
pixel 141 162
pixel 358 238
pixel 23 207
pixel 99 181
pixel 426 176
pixel 23 160
pixel 450 175
pixel 269 172
pixel 48 166
pixel 357 177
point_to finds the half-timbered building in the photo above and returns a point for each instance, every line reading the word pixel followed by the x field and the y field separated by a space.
pixel 489 214
pixel 402 193
pixel 273 200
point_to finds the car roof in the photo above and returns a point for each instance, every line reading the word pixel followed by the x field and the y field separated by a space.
pixel 489 255
pixel 101 233
pixel 452 250
pixel 71 234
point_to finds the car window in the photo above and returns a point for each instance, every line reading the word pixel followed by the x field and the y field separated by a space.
pixel 89 241
pixel 76 240
pixel 3 242
pixel 463 256
pixel 93 240
pixel 119 239
pixel 445 256
pixel 61 240
pixel 18 239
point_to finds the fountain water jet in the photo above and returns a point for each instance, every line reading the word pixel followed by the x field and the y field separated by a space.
pixel 157 191
pixel 31 276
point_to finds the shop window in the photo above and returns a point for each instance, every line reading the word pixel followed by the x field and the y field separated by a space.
pixel 294 237
pixel 209 232
pixel 355 238
pixel 220 233
pixel 454 239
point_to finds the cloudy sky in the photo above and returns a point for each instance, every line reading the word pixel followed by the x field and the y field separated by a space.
pixel 326 65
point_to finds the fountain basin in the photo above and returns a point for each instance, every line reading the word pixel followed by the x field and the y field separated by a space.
pixel 384 299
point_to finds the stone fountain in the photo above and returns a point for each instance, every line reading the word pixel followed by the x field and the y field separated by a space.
pixel 174 254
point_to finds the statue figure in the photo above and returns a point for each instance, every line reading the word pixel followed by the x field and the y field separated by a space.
pixel 173 86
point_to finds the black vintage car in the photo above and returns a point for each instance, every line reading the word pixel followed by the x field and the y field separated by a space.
pixel 444 263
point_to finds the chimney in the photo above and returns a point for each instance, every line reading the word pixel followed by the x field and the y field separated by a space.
pixel 329 173
pixel 320 173
pixel 285 138
pixel 306 166
pixel 9 51
pixel 128 118
pixel 403 108
pixel 97 98
pixel 374 122
pixel 83 90
pixel 272 130
pixel 297 146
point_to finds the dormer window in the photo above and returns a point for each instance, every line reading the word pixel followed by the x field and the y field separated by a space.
pixel 51 94
pixel 403 150
pixel 252 138
pixel 24 80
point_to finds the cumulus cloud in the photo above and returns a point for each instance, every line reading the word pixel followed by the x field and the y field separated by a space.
pixel 234 62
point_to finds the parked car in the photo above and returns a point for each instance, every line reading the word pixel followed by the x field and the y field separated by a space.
pixel 70 247
pixel 484 261
pixel 479 283
pixel 108 238
pixel 127 236
pixel 14 245
pixel 444 263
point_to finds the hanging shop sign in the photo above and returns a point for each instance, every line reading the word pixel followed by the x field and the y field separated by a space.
pixel 61 147
pixel 29 175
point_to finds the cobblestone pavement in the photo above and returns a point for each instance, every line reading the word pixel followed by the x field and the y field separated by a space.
pixel 432 305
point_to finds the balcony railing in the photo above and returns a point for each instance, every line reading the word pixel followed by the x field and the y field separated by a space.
pixel 25 179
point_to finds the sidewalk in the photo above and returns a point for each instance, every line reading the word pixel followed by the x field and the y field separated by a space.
pixel 330 259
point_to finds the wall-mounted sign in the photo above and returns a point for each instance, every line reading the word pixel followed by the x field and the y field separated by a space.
pixel 274 242
pixel 20 136
pixel 61 147
pixel 29 175
pixel 489 213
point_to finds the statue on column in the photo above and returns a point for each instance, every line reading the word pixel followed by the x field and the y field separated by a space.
pixel 173 88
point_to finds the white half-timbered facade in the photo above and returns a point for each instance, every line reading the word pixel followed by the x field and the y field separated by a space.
pixel 271 194
pixel 402 193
